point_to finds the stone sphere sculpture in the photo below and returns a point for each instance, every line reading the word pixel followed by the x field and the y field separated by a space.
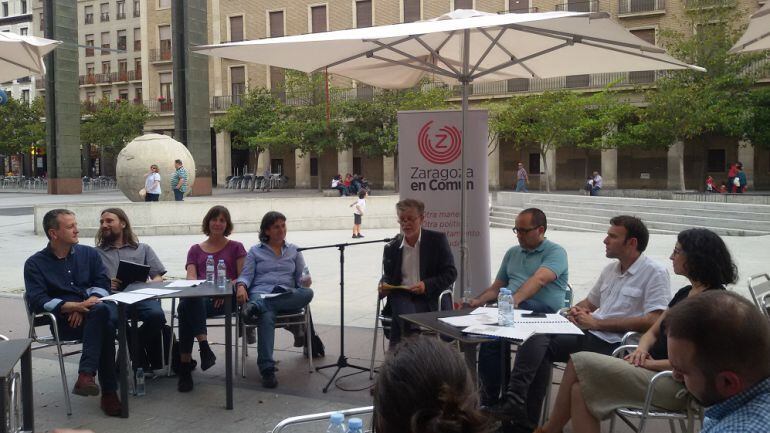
pixel 135 159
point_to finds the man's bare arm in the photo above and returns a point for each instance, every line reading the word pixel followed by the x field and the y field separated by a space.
pixel 536 282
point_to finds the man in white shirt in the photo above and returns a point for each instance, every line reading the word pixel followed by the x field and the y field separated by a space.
pixel 629 295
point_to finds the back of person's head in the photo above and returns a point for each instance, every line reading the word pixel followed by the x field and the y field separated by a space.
pixel 424 387
pixel 538 217
pixel 729 334
pixel 362 194
pixel 707 259
pixel 635 228
pixel 51 220
pixel 267 221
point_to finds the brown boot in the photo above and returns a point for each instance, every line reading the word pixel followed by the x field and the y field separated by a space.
pixel 111 404
pixel 86 385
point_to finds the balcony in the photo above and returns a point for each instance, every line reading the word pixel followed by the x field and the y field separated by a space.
pixel 582 6
pixel 641 7
pixel 104 17
pixel 160 55
pixel 110 77
pixel 159 105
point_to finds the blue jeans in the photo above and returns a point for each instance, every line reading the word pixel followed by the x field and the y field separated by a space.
pixel 491 354
pixel 267 309
pixel 98 335
pixel 521 186
pixel 178 195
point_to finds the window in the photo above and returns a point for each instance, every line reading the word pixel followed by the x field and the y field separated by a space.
pixel 123 70
pixel 166 85
pixel 120 12
pixel 314 167
pixel 89 14
pixel 716 160
pixel 90 96
pixel 122 40
pixel 90 43
pixel 463 4
pixel 23 7
pixel 42 22
pixel 518 6
pixel 163 4
pixel 123 94
pixel 107 95
pixel 137 39
pixel 104 8
pixel 23 31
pixel 137 9
pixel 164 33
pixel 90 69
pixel 5 9
pixel 106 41
pixel 363 13
pixel 412 11
pixel 357 168
pixel 137 69
pixel 106 68
pixel 318 19
pixel 237 82
pixel 236 28
pixel 138 94
pixel 534 163
pixel 578 80
pixel 25 96
pixel 277 75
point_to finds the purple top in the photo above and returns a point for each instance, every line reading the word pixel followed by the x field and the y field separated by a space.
pixel 233 251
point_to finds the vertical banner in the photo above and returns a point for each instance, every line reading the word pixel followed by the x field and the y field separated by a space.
pixel 430 170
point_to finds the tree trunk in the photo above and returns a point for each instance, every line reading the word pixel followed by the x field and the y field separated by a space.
pixel 544 156
pixel 681 171
pixel 320 175
pixel 395 172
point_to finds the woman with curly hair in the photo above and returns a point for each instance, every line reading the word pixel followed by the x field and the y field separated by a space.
pixel 595 385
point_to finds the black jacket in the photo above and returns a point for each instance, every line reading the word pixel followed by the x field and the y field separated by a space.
pixel 437 265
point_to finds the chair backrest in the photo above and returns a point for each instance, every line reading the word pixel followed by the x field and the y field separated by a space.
pixel 759 287
pixel 569 295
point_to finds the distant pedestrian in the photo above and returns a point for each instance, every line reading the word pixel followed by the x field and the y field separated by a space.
pixel 152 184
pixel 359 206
pixel 522 179
pixel 731 177
pixel 710 187
pixel 266 179
pixel 179 181
pixel 589 185
pixel 740 184
pixel 597 183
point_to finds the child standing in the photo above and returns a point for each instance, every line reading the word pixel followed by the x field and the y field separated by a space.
pixel 358 213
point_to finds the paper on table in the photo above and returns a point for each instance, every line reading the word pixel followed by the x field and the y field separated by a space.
pixel 514 333
pixel 492 311
pixel 185 283
pixel 469 320
pixel 127 297
pixel 271 295
pixel 155 292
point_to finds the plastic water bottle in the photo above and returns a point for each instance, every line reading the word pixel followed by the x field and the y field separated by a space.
pixel 336 423
pixel 221 274
pixel 504 308
pixel 140 390
pixel 305 278
pixel 210 269
pixel 355 425
pixel 467 294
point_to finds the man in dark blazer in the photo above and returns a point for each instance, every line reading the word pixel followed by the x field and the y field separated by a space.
pixel 420 263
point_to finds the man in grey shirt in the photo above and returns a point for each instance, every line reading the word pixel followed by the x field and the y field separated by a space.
pixel 115 241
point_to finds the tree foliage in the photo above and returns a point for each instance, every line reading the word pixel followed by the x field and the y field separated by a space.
pixel 21 125
pixel 112 124
pixel 758 122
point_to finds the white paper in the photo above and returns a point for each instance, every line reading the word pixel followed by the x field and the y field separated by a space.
pixel 185 283
pixel 127 297
pixel 271 295
pixel 154 292
pixel 492 311
pixel 469 320
pixel 513 333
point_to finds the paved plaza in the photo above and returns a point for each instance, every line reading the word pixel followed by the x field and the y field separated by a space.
pixel 163 409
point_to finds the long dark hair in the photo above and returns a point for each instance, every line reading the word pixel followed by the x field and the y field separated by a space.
pixel 128 234
pixel 267 221
pixel 707 259
pixel 425 387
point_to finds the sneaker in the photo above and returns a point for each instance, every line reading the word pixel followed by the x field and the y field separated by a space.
pixel 208 359
pixel 86 385
pixel 111 404
pixel 354 237
pixel 268 378
pixel 251 335
pixel 360 235
pixel 184 376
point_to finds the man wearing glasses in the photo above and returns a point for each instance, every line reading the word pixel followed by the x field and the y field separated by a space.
pixel 417 265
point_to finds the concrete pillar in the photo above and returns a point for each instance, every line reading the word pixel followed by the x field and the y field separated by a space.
pixel 609 170
pixel 675 153
pixel 301 170
pixel 345 162
pixel 224 157
pixel 746 157
pixel 263 162
pixel 493 163
pixel 550 158
pixel 388 172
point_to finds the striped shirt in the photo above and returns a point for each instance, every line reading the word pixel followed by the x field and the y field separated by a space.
pixel 180 173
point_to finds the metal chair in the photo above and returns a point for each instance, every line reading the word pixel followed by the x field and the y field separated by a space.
pixel 4 338
pixel 300 317
pixel 569 296
pixel 648 411
pixel 385 322
pixel 48 319
pixel 760 292
pixel 323 416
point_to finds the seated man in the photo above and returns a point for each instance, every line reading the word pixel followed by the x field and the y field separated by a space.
pixel 67 279
pixel 536 273
pixel 418 259
pixel 629 295
pixel 115 241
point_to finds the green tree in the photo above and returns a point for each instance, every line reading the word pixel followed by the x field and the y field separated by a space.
pixel 110 125
pixel 21 125
pixel 758 122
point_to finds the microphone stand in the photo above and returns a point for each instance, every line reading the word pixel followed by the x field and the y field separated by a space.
pixel 342 361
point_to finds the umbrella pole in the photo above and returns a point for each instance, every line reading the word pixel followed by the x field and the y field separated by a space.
pixel 465 288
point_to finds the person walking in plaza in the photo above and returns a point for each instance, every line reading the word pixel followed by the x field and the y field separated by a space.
pixel 179 181
pixel 272 267
pixel 597 184
pixel 522 179
pixel 594 385
pixel 731 175
pixel 740 185
pixel 152 184
pixel 217 226
pixel 359 206
pixel 68 279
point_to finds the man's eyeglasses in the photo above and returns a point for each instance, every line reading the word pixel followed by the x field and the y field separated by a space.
pixel 517 230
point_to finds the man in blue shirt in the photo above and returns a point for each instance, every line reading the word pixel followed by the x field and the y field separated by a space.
pixel 68 280
pixel 719 346
pixel 536 272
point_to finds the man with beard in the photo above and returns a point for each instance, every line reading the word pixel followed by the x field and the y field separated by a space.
pixel 115 241
pixel 719 347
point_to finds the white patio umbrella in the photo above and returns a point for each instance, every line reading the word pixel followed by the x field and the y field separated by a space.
pixel 757 35
pixel 461 47
pixel 21 56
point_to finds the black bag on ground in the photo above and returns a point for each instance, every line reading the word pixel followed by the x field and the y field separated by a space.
pixel 319 350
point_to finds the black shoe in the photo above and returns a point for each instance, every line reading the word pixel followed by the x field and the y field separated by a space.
pixel 208 359
pixel 507 410
pixel 251 335
pixel 184 377
pixel 360 235
pixel 299 334
pixel 268 378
